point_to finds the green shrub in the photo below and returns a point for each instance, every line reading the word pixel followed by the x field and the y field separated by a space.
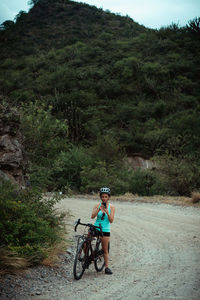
pixel 105 168
pixel 107 149
pixel 86 169
pixel 145 183
pixel 180 175
pixel 93 177
pixel 118 181
pixel 28 222
pixel 40 176
pixel 45 136
pixel 67 168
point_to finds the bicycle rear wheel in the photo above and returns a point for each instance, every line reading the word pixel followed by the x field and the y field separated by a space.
pixel 80 261
pixel 99 262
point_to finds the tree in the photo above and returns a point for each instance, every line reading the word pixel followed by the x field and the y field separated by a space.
pixel 7 25
pixel 20 15
pixel 33 2
pixel 194 26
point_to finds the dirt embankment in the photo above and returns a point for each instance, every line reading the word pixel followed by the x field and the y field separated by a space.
pixel 155 254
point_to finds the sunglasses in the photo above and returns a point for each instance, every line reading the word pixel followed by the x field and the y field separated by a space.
pixel 103 216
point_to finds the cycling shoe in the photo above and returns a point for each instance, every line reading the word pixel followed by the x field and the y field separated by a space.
pixel 108 271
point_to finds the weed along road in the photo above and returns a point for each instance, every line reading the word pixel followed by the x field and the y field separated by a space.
pixel 155 254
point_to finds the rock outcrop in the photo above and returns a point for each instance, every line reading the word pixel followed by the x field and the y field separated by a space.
pixel 136 161
pixel 11 147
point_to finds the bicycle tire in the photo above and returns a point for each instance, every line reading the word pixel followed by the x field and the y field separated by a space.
pixel 80 261
pixel 99 262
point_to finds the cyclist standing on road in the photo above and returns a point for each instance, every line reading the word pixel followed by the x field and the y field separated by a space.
pixel 105 213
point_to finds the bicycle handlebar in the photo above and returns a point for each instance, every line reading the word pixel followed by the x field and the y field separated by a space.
pixel 88 225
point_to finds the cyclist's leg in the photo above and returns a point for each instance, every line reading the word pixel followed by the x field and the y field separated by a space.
pixel 86 245
pixel 105 241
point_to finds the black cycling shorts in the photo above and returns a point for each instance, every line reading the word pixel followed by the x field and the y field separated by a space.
pixel 106 233
pixel 97 232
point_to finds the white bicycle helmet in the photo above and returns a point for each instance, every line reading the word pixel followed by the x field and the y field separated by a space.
pixel 105 190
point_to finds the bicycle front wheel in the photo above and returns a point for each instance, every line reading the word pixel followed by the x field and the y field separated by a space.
pixel 99 262
pixel 80 261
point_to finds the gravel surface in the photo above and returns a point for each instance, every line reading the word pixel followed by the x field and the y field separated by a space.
pixel 155 253
pixel 36 280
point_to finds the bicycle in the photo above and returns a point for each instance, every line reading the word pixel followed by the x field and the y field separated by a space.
pixel 86 252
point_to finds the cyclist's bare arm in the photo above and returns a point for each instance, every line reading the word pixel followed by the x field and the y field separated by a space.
pixel 112 213
pixel 95 211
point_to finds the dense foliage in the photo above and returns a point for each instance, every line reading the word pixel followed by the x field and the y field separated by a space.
pixel 29 225
pixel 88 88
pixel 93 87
pixel 55 24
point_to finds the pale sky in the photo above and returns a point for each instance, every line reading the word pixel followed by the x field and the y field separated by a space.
pixel 150 13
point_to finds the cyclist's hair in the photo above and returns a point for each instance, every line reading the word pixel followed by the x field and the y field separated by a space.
pixel 105 190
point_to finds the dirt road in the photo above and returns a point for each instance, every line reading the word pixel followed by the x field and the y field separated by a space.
pixel 155 254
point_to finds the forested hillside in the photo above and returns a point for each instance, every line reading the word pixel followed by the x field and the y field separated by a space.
pixel 93 87
pixel 81 89
pixel 56 24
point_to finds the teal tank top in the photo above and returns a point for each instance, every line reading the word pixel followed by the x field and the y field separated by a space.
pixel 105 223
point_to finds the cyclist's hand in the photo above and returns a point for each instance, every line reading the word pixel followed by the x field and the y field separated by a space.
pixel 106 211
pixel 102 207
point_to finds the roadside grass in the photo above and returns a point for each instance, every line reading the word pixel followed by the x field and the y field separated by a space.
pixel 178 200
pixel 194 200
pixel 196 197
pixel 54 253
pixel 11 263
